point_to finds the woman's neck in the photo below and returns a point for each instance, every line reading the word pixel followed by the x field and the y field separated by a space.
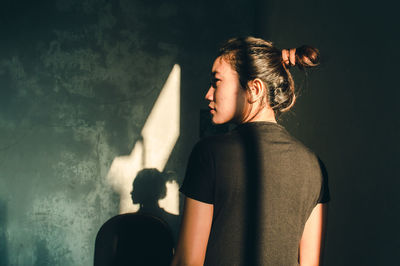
pixel 266 114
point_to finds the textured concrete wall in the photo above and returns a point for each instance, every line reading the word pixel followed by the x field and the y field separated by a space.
pixel 77 82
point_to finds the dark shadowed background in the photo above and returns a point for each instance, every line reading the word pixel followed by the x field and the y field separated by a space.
pixel 79 78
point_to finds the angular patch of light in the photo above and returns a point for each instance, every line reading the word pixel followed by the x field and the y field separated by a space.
pixel 160 133
pixel 171 202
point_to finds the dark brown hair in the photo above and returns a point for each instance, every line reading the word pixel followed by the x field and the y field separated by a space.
pixel 255 58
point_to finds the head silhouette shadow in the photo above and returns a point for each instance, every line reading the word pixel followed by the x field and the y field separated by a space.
pixel 148 188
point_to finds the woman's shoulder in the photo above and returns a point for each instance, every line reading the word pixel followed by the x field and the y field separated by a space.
pixel 215 142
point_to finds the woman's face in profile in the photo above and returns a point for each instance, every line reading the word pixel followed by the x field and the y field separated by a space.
pixel 227 100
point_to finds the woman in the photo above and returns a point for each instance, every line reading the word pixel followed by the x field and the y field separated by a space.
pixel 256 195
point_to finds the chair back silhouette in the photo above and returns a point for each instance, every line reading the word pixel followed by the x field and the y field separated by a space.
pixel 134 239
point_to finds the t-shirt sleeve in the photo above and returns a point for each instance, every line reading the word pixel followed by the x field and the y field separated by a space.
pixel 324 196
pixel 199 179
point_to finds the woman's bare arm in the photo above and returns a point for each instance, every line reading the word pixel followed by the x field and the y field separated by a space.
pixel 194 233
pixel 312 240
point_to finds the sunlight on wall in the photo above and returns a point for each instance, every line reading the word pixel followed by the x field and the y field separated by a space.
pixel 171 202
pixel 160 133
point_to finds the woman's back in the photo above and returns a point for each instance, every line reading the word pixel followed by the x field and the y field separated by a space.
pixel 263 184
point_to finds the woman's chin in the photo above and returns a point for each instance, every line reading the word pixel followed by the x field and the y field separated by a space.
pixel 217 121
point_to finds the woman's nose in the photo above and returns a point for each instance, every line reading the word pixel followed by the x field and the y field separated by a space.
pixel 210 94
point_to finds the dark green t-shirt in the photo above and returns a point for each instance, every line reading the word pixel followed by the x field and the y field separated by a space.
pixel 263 184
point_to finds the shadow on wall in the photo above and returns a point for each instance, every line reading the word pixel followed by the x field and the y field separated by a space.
pixel 146 237
pixel 3 239
pixel 148 188
pixel 134 239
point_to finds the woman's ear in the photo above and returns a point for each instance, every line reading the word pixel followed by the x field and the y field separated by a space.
pixel 256 90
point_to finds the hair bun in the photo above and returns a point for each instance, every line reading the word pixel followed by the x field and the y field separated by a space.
pixel 307 56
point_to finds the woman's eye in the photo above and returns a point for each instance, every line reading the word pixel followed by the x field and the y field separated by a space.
pixel 214 82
